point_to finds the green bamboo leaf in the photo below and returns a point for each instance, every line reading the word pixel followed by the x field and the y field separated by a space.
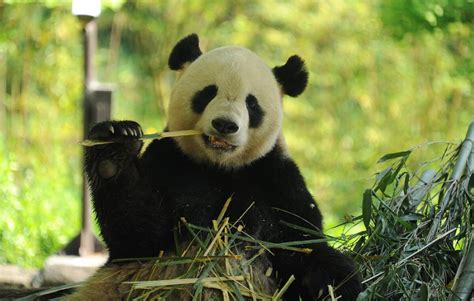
pixel 406 183
pixel 380 175
pixel 367 208
pixel 394 155
pixel 411 217
pixel 383 179
pixel 399 168
pixel 424 292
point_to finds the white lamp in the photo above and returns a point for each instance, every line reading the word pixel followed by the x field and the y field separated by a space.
pixel 86 8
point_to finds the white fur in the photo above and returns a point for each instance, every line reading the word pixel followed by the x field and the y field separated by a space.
pixel 237 72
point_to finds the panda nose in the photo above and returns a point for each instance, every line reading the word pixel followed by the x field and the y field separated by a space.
pixel 225 126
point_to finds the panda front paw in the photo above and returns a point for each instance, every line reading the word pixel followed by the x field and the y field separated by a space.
pixel 116 130
pixel 108 160
pixel 125 133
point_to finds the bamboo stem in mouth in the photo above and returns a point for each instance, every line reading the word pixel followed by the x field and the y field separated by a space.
pixel 92 142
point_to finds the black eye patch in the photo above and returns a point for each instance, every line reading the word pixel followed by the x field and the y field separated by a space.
pixel 255 111
pixel 202 98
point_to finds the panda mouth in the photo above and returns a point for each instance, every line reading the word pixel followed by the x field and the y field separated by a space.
pixel 218 143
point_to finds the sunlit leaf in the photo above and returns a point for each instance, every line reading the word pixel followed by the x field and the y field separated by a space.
pixel 394 156
pixel 383 179
pixel 367 208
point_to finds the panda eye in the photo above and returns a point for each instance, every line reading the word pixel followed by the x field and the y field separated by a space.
pixel 255 111
pixel 202 98
pixel 251 102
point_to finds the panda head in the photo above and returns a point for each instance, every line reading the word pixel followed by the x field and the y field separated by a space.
pixel 233 97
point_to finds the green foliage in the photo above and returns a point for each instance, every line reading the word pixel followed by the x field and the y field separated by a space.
pixel 36 219
pixel 376 85
pixel 418 225
pixel 413 16
pixel 40 84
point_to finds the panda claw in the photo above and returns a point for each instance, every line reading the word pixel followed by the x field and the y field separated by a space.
pixel 111 129
pixel 124 132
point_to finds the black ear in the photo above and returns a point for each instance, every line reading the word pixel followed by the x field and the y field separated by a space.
pixel 292 76
pixel 185 51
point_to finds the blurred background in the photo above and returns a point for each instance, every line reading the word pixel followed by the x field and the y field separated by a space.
pixel 385 75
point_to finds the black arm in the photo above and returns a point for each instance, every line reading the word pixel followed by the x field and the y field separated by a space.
pixel 132 218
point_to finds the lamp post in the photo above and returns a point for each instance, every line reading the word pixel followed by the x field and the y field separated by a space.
pixel 96 107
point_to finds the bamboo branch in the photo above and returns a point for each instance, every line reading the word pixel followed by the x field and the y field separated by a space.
pixel 158 136
pixel 464 285
pixel 464 153
pixel 458 171
pixel 172 282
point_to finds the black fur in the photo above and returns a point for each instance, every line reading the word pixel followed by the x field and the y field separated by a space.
pixel 255 111
pixel 292 76
pixel 139 205
pixel 185 51
pixel 202 98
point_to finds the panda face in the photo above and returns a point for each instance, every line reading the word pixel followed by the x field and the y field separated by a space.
pixel 234 99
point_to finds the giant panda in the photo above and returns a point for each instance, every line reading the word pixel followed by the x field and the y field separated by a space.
pixel 235 100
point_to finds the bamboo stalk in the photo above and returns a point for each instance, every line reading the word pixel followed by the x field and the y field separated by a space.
pixel 282 245
pixel 280 293
pixel 179 259
pixel 464 285
pixel 464 153
pixel 470 163
pixel 244 292
pixel 157 136
pixel 171 282
pixel 422 188
pixel 41 294
pixel 223 211
pixel 211 245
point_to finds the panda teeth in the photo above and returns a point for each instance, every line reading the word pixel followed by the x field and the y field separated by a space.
pixel 219 142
